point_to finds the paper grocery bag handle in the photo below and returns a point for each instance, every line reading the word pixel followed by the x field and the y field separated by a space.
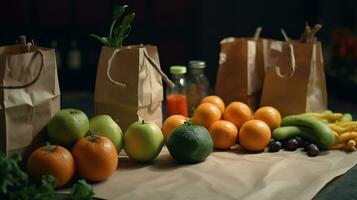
pixel 158 69
pixel 151 61
pixel 35 79
pixel 120 84
pixel 293 65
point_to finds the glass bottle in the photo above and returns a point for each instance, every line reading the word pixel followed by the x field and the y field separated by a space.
pixel 197 83
pixel 176 100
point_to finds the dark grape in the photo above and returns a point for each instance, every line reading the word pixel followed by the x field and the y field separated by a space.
pixel 306 145
pixel 285 143
pixel 300 141
pixel 292 144
pixel 312 150
pixel 275 146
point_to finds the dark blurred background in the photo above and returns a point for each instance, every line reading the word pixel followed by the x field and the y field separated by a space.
pixel 183 30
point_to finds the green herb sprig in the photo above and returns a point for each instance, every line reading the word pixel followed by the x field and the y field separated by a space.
pixel 15 184
pixel 119 29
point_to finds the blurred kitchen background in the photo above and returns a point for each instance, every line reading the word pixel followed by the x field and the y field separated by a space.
pixel 183 30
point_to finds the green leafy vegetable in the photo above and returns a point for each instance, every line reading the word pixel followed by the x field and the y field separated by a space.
pixel 12 177
pixel 15 184
pixel 119 30
pixel 81 191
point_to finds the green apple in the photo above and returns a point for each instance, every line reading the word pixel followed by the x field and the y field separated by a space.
pixel 143 141
pixel 105 126
pixel 67 126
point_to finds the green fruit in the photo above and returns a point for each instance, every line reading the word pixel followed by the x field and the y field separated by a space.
pixel 190 143
pixel 105 126
pixel 143 141
pixel 286 132
pixel 67 126
pixel 320 131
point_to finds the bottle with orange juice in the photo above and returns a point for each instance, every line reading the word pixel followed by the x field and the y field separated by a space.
pixel 176 97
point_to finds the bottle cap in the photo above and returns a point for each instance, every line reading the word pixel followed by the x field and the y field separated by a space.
pixel 197 64
pixel 178 69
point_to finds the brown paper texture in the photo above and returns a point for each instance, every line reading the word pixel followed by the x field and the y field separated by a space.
pixel 142 96
pixel 241 71
pixel 303 90
pixel 25 111
pixel 226 175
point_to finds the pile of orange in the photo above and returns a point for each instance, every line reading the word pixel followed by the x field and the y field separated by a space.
pixel 229 124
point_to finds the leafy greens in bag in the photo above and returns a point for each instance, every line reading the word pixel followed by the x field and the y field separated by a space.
pixel 118 29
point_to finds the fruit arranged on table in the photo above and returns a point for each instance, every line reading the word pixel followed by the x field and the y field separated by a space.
pixel 95 157
pixel 346 135
pixel 307 128
pixel 330 117
pixel 254 135
pixel 67 126
pixel 238 113
pixel 342 126
pixel 269 115
pixel 15 183
pixel 190 144
pixel 143 141
pixel 293 144
pixel 224 134
pixel 51 160
pixel 206 114
pixel 172 122
pixel 215 100
pixel 104 125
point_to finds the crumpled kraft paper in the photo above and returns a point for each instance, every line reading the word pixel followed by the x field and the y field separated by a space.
pixel 227 175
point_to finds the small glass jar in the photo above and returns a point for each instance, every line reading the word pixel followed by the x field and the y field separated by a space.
pixel 176 99
pixel 197 83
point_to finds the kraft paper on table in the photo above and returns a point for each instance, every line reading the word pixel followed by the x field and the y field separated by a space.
pixel 227 175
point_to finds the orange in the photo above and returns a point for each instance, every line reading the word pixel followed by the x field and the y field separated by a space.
pixel 216 100
pixel 254 135
pixel 51 160
pixel 96 157
pixel 237 113
pixel 224 134
pixel 206 114
pixel 269 115
pixel 170 123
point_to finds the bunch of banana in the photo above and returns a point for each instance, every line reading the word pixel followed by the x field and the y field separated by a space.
pixel 345 135
pixel 342 126
pixel 330 117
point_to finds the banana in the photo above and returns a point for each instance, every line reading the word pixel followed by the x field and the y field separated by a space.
pixel 346 118
pixel 320 131
pixel 337 146
pixel 331 117
pixel 351 145
pixel 347 124
pixel 286 132
pixel 346 136
pixel 336 128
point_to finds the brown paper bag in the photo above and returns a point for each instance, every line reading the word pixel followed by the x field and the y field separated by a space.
pixel 294 80
pixel 241 70
pixel 129 86
pixel 29 96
